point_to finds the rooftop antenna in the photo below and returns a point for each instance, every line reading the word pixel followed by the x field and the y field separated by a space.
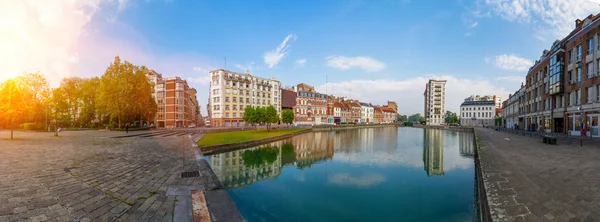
pixel 225 62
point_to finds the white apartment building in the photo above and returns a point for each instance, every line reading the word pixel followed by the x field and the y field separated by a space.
pixel 435 99
pixel 478 111
pixel 230 92
pixel 366 113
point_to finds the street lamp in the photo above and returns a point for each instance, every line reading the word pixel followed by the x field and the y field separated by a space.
pixel 580 78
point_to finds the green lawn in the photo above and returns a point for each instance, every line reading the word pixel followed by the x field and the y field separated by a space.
pixel 211 139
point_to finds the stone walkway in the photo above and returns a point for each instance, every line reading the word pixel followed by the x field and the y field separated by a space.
pixel 527 180
pixel 83 176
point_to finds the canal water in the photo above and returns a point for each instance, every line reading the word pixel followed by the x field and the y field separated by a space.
pixel 373 174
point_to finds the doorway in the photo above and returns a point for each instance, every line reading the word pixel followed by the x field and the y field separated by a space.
pixel 592 120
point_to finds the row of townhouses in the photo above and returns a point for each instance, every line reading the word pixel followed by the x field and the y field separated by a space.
pixel 230 92
pixel 561 92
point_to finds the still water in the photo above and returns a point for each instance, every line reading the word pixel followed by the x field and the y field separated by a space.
pixel 375 174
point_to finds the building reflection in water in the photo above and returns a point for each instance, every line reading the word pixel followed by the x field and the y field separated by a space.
pixel 467 144
pixel 243 167
pixel 433 153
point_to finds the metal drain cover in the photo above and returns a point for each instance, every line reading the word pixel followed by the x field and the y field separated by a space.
pixel 190 174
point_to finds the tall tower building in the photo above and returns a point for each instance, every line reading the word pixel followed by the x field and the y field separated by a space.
pixel 435 99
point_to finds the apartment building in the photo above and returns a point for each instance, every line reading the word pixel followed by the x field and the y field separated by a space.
pixel 177 104
pixel 435 102
pixel 311 106
pixel 230 92
pixel 389 116
pixel 511 110
pixel 562 89
pixel 366 113
pixel 377 114
pixel 478 111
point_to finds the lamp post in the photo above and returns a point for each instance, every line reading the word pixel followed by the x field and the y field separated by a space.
pixel 580 78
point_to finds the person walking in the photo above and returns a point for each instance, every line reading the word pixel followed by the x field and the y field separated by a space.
pixel 126 128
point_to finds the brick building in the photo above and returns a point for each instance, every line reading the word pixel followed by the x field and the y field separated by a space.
pixel 288 99
pixel 561 92
pixel 311 106
pixel 177 105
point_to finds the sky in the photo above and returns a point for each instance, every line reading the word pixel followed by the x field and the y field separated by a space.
pixel 373 51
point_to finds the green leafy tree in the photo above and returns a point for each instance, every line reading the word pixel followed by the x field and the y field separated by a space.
pixel 248 117
pixel 259 115
pixel 124 92
pixel 87 96
pixel 415 118
pixel 14 105
pixel 402 118
pixel 38 92
pixel 287 116
pixel 271 116
pixel 451 117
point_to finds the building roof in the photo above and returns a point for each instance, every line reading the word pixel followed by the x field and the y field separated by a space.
pixel 387 109
pixel 479 103
pixel 365 104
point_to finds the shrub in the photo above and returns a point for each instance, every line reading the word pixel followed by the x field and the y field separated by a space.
pixel 32 126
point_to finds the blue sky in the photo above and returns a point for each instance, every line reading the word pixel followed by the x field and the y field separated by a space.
pixel 370 50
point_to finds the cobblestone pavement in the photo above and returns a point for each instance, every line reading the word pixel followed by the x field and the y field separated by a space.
pixel 527 180
pixel 87 176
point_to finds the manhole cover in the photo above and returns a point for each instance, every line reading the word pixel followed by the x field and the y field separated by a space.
pixel 190 174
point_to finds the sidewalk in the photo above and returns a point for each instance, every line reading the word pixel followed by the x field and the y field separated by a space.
pixel 527 180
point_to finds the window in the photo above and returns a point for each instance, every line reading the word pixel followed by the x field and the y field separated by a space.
pixel 590 94
pixel 590 45
pixel 597 93
pixel 235 99
pixel 570 56
pixel 590 70
pixel 578 52
pixel 578 97
pixel 578 74
pixel 226 107
pixel 570 77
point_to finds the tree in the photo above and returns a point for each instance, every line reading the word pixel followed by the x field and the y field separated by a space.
pixel 270 116
pixel 450 117
pixel 87 95
pixel 415 118
pixel 401 118
pixel 421 120
pixel 14 105
pixel 259 115
pixel 36 88
pixel 287 116
pixel 124 92
pixel 248 117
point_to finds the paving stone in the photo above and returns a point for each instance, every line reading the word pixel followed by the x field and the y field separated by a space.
pixel 65 178
pixel 548 182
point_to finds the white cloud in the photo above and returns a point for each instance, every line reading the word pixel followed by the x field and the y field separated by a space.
pixel 539 37
pixel 553 17
pixel 409 93
pixel 510 62
pixel 365 180
pixel 511 78
pixel 42 36
pixel 365 63
pixel 474 25
pixel 300 61
pixel 246 68
pixel 468 34
pixel 272 58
